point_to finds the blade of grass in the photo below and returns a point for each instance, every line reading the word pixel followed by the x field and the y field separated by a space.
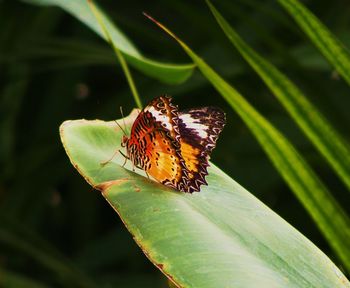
pixel 118 53
pixel 305 114
pixel 165 72
pixel 324 209
pixel 271 13
pixel 335 52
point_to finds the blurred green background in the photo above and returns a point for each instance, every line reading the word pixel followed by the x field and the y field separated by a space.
pixel 53 226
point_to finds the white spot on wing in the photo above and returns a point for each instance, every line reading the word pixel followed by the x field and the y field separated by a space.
pixel 163 118
pixel 192 123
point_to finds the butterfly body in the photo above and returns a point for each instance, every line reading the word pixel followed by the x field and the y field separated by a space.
pixel 174 147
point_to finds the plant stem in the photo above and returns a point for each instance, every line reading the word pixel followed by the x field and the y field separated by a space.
pixel 128 76
pixel 120 56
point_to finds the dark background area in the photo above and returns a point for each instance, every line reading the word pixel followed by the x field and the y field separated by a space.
pixel 53 68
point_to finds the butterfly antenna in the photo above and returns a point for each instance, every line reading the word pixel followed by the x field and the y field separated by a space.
pixel 121 112
pixel 120 127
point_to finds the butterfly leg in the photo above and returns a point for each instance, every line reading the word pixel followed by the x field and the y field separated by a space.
pixel 125 157
pixel 103 163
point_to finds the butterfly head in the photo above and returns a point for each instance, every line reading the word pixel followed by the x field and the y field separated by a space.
pixel 125 140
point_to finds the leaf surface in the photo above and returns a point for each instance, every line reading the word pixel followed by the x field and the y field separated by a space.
pixel 220 237
pixel 327 213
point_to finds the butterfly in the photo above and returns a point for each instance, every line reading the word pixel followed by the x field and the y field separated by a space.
pixel 173 146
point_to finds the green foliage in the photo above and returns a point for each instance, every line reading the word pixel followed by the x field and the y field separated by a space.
pixel 316 198
pixel 57 232
pixel 118 53
pixel 214 238
pixel 323 208
pixel 169 73
pixel 304 113
pixel 335 52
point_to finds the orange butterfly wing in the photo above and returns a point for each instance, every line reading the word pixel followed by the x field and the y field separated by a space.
pixel 164 162
pixel 154 144
pixel 199 130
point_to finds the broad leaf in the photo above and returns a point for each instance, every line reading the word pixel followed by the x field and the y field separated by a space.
pixel 220 237
pixel 168 73
pixel 311 192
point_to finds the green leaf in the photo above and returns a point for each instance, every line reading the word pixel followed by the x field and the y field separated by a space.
pixel 117 52
pixel 311 192
pixel 220 237
pixel 166 72
pixel 335 52
pixel 310 120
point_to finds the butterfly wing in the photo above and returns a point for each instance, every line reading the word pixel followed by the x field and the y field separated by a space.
pixel 154 144
pixel 172 147
pixel 165 163
pixel 199 130
pixel 164 116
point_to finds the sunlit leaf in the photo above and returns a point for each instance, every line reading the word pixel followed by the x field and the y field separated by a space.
pixel 220 237
pixel 311 192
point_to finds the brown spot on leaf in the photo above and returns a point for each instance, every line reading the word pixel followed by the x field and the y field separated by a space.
pixel 105 185
pixel 137 188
